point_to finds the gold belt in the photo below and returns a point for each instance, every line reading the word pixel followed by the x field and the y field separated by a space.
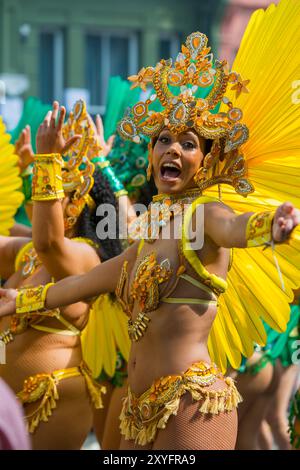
pixel 44 387
pixel 142 416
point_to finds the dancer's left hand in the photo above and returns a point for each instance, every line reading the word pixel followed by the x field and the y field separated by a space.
pixel 23 148
pixel 7 302
pixel 49 138
pixel 286 218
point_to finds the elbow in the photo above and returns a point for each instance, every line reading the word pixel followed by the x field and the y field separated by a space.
pixel 46 247
pixel 232 235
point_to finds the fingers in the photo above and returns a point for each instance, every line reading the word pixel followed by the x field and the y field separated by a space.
pixel 46 121
pixel 54 114
pixel 18 143
pixel 61 119
pixel 99 126
pixel 110 143
pixel 3 292
pixel 27 136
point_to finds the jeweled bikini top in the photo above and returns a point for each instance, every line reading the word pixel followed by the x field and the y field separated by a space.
pixel 150 274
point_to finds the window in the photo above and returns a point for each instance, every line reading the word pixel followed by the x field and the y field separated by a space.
pixel 108 54
pixel 51 65
pixel 168 46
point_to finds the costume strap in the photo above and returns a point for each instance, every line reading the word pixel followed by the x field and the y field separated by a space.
pixel 95 389
pixel 211 280
pixel 140 247
pixel 21 253
pixel 188 300
pixel 47 183
pixel 72 331
pixel 44 387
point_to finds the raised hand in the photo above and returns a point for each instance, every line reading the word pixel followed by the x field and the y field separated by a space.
pixel 49 137
pixel 8 302
pixel 24 149
pixel 99 131
pixel 106 146
pixel 286 218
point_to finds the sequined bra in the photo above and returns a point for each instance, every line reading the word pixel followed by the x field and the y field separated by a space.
pixel 150 274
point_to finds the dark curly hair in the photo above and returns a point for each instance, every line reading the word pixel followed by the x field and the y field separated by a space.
pixel 101 193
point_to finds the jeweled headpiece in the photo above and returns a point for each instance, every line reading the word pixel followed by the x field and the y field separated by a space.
pixel 176 88
pixel 78 169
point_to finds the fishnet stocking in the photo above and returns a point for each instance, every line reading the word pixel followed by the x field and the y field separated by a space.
pixel 191 430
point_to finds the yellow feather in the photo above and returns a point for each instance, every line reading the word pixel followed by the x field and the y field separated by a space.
pixel 11 196
pixel 104 335
pixel 269 57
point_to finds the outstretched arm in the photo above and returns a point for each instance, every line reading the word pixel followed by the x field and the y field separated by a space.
pixel 229 230
pixel 100 280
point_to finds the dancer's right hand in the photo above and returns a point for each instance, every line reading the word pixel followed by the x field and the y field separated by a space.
pixel 23 148
pixel 8 302
pixel 49 137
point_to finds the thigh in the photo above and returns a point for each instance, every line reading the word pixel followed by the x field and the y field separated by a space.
pixel 100 415
pixel 112 435
pixel 190 429
pixel 130 445
pixel 71 420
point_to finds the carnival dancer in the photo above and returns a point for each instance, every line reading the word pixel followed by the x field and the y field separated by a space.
pixel 45 365
pixel 105 354
pixel 267 382
pixel 183 315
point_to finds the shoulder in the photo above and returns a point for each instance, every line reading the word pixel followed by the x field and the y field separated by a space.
pixel 217 207
pixel 88 250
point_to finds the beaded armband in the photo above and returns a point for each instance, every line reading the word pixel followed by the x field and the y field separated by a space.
pixel 31 299
pixel 109 174
pixel 259 229
pixel 47 183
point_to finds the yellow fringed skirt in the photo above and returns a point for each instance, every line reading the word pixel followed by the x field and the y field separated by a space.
pixel 142 416
pixel 43 388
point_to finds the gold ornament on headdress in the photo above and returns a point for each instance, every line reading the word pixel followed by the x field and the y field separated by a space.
pixel 78 169
pixel 193 69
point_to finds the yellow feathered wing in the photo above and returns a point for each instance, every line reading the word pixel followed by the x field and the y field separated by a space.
pixel 11 196
pixel 104 335
pixel 269 57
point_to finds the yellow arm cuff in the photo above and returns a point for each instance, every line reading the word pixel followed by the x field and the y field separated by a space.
pixel 31 299
pixel 259 229
pixel 47 183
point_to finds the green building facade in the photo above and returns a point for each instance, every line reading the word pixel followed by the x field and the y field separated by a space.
pixel 64 49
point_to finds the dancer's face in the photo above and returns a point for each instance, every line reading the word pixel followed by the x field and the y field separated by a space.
pixel 176 159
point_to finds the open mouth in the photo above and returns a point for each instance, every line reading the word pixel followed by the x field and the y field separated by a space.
pixel 169 171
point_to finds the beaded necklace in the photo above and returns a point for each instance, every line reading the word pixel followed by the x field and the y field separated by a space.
pixel 163 208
